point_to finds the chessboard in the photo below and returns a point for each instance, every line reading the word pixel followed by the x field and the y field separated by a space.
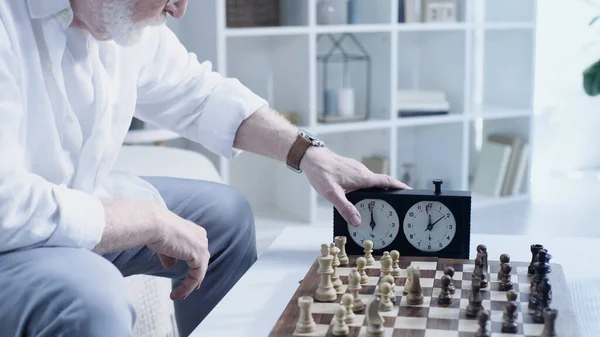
pixel 428 297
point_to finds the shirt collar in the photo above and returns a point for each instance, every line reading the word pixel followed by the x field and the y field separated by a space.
pixel 42 8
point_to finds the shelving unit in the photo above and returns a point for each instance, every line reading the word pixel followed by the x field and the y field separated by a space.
pixel 484 63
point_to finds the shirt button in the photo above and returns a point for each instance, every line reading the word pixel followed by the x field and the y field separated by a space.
pixel 65 15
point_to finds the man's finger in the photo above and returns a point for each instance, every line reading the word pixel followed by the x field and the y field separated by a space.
pixel 386 181
pixel 189 283
pixel 346 209
pixel 167 261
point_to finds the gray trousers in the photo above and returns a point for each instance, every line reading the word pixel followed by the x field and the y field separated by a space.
pixel 60 292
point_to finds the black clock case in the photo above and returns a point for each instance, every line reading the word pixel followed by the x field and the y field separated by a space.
pixel 459 203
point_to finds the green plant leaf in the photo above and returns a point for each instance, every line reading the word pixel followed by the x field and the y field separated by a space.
pixel 591 79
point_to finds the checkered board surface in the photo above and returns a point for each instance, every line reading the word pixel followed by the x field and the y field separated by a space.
pixel 431 319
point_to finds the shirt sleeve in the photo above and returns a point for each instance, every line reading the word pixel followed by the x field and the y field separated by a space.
pixel 33 211
pixel 178 93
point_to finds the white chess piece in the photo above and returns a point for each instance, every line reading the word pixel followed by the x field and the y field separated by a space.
pixel 306 322
pixel 354 288
pixel 361 264
pixel 340 328
pixel 415 292
pixel 347 301
pixel 340 242
pixel 409 274
pixel 335 279
pixel 374 319
pixel 368 247
pixel 390 279
pixel 396 271
pixel 386 303
pixel 386 264
pixel 325 292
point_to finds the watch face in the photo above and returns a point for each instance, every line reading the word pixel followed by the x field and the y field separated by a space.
pixel 429 226
pixel 380 223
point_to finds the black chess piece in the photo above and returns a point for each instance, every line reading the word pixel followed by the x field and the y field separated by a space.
pixel 544 297
pixel 445 297
pixel 542 267
pixel 535 248
pixel 549 322
pixel 504 258
pixel 482 320
pixel 509 317
pixel 450 272
pixel 505 279
pixel 475 298
pixel 483 256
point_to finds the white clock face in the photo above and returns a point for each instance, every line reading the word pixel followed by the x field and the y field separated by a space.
pixel 380 223
pixel 429 226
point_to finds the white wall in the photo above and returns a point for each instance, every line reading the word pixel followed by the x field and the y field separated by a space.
pixel 568 120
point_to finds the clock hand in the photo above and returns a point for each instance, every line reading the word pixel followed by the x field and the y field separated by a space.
pixel 438 220
pixel 429 225
pixel 372 223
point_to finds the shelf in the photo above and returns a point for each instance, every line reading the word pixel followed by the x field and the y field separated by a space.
pixel 434 61
pixel 266 31
pixel 509 25
pixel 359 28
pixel 430 120
pixel 498 112
pixel 494 11
pixel 435 151
pixel 360 144
pixel 513 130
pixel 149 136
pixel 431 26
pixel 323 129
pixel 275 68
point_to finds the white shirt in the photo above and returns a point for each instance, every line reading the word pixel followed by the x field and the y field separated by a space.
pixel 66 103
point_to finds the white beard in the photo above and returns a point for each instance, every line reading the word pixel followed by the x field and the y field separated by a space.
pixel 117 15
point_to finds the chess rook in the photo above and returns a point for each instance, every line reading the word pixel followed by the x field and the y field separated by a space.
pixel 306 322
pixel 340 243
pixel 549 322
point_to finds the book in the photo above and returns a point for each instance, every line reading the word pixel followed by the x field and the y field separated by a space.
pixel 491 168
pixel 516 144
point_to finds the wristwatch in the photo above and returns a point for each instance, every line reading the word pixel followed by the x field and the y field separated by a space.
pixel 303 142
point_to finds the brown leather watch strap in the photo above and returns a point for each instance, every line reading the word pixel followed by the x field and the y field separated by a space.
pixel 296 153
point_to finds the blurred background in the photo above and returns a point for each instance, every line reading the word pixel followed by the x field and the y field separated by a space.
pixel 487 95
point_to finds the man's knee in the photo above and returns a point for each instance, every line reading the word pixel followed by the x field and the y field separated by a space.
pixel 85 297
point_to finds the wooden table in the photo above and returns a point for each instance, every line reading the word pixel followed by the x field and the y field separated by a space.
pixel 253 306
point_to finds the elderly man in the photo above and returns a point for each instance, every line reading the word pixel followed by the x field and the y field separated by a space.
pixel 72 75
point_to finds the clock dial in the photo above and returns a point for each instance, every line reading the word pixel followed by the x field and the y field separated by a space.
pixel 429 226
pixel 380 223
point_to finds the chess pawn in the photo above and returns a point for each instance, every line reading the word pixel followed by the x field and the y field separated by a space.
pixel 482 320
pixel 335 279
pixel 390 279
pixel 325 292
pixel 549 322
pixel 386 264
pixel 450 272
pixel 504 259
pixel 340 328
pixel 544 295
pixel 340 242
pixel 368 247
pixel 509 317
pixel 415 292
pixel 386 291
pixel 347 301
pixel 306 322
pixel 445 297
pixel 361 264
pixel 354 288
pixel 505 278
pixel 475 298
pixel 395 255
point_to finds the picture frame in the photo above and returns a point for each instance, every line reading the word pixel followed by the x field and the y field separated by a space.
pixel 440 11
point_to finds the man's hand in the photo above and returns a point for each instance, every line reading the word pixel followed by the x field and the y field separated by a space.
pixel 132 223
pixel 183 240
pixel 333 176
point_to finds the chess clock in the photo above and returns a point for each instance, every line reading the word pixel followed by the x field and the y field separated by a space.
pixel 434 223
